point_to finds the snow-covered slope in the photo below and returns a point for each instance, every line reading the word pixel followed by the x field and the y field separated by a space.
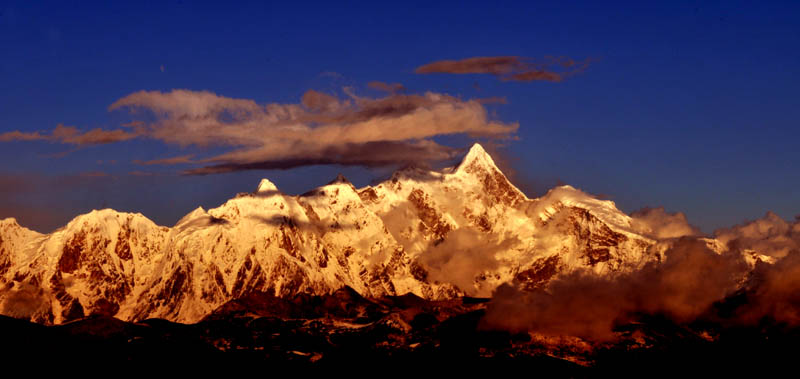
pixel 437 216
pixel 270 242
pixel 92 265
pixel 437 234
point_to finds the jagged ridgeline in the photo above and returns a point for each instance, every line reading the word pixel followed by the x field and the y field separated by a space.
pixel 461 231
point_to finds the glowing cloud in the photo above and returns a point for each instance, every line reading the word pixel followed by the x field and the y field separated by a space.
pixel 657 223
pixel 322 129
pixel 769 235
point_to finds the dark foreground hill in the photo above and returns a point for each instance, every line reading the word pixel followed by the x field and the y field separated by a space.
pixel 345 331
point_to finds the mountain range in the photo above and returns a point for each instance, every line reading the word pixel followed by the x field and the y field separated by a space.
pixel 437 234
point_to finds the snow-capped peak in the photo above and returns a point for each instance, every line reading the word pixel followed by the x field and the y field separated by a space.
pixel 476 157
pixel 9 221
pixel 266 187
pixel 11 224
pixel 193 215
pixel 340 179
pixel 567 195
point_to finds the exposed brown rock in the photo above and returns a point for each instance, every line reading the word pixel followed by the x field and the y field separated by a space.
pixel 287 244
pixel 368 195
pixel 310 213
pixel 495 184
pixel 73 310
pixel 418 272
pixel 104 307
pixel 434 225
pixel 175 288
pixel 289 275
pixel 322 258
pixel 258 279
pixel 123 247
pixel 599 238
pixel 71 254
pixel 218 278
pixel 5 260
pixel 483 223
pixel 241 276
pixel 60 292
pixel 540 273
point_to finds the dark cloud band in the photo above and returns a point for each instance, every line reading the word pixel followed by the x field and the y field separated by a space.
pixel 509 68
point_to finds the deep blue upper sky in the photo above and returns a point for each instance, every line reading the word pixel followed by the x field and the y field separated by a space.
pixel 693 106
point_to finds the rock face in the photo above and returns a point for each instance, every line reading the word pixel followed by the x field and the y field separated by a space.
pixel 436 234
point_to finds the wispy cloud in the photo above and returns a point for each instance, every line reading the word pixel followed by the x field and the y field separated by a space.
pixel 509 68
pixel 321 129
pixel 72 136
pixel 386 87
pixel 183 159
pixel 16 135
pixel 94 174
pixel 140 173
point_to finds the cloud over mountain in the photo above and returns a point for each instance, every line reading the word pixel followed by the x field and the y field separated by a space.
pixel 656 222
pixel 769 235
pixel 682 287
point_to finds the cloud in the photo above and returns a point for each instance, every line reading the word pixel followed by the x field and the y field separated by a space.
pixel 391 130
pixel 368 154
pixel 477 65
pixel 658 224
pixel 141 173
pixel 529 76
pixel 185 104
pixel 319 102
pixel 493 100
pixel 94 174
pixel 386 87
pixel 16 135
pixel 769 235
pixel 683 287
pixel 321 129
pixel 182 159
pixel 509 68
pixel 72 136
pixel 24 301
pixel 773 293
pixel 461 257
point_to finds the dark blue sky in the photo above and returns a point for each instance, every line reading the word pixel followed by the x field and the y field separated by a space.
pixel 688 105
